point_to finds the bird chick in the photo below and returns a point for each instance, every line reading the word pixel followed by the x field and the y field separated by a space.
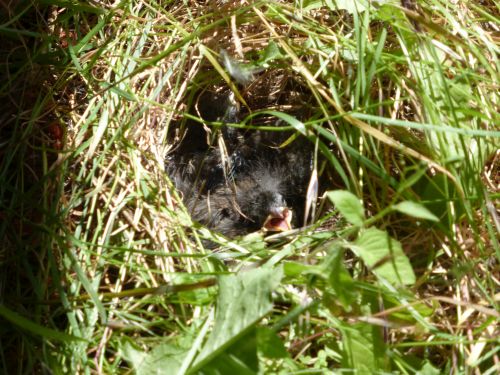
pixel 251 201
pixel 245 180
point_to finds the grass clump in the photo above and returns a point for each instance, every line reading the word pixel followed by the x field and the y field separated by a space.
pixel 102 269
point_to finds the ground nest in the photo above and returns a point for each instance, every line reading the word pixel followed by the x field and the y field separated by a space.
pixel 238 158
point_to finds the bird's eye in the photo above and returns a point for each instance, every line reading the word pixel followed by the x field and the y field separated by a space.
pixel 224 212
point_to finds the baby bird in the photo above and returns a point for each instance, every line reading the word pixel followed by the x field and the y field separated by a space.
pixel 250 202
pixel 255 185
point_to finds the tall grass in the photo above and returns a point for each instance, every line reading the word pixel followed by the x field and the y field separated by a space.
pixel 102 269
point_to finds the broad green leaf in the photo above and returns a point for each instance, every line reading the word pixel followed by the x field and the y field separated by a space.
pixel 132 354
pixel 415 210
pixel 269 344
pixel 294 269
pixel 226 364
pixel 163 356
pixel 243 300
pixel 428 369
pixel 348 205
pixel 384 255
pixel 340 279
pixel 270 53
pixel 239 358
pixel 359 350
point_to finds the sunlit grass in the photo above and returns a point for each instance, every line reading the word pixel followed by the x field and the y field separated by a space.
pixel 102 269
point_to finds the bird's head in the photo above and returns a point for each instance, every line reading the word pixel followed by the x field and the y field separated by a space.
pixel 261 200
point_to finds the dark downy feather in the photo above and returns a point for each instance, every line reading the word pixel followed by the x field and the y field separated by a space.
pixel 235 194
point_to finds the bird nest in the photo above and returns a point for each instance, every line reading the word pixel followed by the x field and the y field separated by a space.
pixel 238 162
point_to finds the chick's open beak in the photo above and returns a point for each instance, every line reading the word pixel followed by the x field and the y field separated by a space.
pixel 279 220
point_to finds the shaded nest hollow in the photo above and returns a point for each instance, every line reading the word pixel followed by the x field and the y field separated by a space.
pixel 238 165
